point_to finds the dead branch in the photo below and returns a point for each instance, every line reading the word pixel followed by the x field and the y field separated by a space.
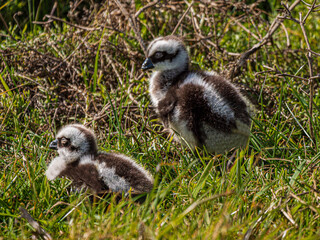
pixel 180 20
pixel 235 71
pixel 40 231
pixel 303 202
pixel 71 24
pixel 309 58
pixel 311 79
pixel 287 35
pixel 133 25
pixel 146 7
pixel 244 28
pixel 290 75
pixel 74 51
pixel 289 217
pixel 6 27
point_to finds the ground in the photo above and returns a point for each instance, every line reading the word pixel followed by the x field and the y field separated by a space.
pixel 81 63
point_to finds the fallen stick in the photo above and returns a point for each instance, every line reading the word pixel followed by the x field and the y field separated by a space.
pixel 39 230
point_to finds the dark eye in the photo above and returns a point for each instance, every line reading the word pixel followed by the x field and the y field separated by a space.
pixel 65 142
pixel 158 55
pixel 73 148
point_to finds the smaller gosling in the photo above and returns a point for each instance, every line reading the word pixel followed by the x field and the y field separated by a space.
pixel 80 161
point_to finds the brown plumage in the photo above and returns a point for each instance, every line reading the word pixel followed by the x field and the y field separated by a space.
pixel 101 172
pixel 205 109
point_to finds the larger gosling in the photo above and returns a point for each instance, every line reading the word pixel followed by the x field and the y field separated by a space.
pixel 101 172
pixel 205 109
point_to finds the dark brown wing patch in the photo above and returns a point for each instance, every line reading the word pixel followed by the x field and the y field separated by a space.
pixel 128 171
pixel 195 109
pixel 84 174
pixel 229 93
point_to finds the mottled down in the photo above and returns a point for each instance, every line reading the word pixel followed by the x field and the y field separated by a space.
pixel 101 172
pixel 200 108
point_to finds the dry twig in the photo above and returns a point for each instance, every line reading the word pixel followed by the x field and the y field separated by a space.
pixel 311 81
pixel 39 230
pixel 146 7
pixel 180 20
pixel 301 22
pixel 133 25
pixel 72 24
pixel 235 71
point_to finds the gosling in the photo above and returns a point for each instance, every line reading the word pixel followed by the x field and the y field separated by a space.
pixel 202 108
pixel 80 161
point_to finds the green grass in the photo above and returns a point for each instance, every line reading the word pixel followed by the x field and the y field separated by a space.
pixel 270 192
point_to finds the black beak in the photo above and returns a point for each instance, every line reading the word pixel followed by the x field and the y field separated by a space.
pixel 147 64
pixel 54 145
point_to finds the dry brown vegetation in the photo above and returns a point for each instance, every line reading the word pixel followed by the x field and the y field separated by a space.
pixel 62 62
pixel 85 67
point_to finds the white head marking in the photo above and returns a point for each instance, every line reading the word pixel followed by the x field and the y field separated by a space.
pixel 82 142
pixel 169 46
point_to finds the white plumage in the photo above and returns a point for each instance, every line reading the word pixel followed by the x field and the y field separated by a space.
pixel 203 108
pixel 80 161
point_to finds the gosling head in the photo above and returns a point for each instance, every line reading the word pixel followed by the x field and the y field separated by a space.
pixel 166 53
pixel 73 142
